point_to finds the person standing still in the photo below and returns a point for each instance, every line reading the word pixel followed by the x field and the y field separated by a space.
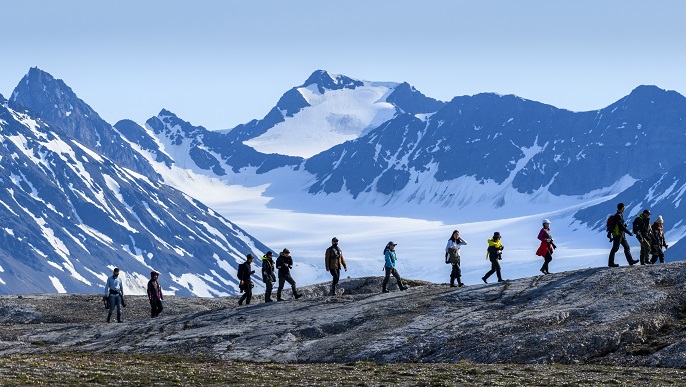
pixel 244 273
pixel 284 264
pixel 494 254
pixel 333 259
pixel 115 291
pixel 658 241
pixel 618 238
pixel 641 228
pixel 154 295
pixel 268 276
pixel 452 257
pixel 389 267
pixel 547 246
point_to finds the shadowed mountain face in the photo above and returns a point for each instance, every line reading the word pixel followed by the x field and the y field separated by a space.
pixel 70 215
pixel 620 316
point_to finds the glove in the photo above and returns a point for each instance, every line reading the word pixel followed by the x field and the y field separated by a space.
pixel 252 272
pixel 630 234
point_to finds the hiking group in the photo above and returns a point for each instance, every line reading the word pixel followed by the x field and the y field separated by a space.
pixel 650 237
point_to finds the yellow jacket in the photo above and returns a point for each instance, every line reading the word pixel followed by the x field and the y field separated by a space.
pixel 493 244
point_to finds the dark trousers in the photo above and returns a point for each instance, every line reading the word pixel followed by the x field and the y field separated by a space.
pixel 282 281
pixel 546 260
pixel 620 240
pixel 658 254
pixel 495 268
pixel 391 271
pixel 268 293
pixel 155 307
pixel 336 274
pixel 455 274
pixel 645 251
pixel 247 295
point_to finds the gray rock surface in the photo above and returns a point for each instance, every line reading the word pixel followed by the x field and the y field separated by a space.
pixel 619 316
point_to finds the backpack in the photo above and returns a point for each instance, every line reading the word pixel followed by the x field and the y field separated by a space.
pixel 610 224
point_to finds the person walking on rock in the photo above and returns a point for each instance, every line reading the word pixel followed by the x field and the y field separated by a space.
pixel 154 295
pixel 389 267
pixel 641 228
pixel 452 257
pixel 658 241
pixel 284 264
pixel 333 259
pixel 268 275
pixel 114 289
pixel 494 254
pixel 617 228
pixel 547 246
pixel 246 285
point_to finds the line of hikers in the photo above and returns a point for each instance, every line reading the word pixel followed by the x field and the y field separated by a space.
pixel 650 237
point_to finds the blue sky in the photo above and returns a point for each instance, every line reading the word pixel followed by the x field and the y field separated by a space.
pixel 220 63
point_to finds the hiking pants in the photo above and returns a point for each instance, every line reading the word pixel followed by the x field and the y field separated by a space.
pixel 548 257
pixel 155 307
pixel 645 251
pixel 620 240
pixel 247 293
pixel 268 293
pixel 282 281
pixel 115 299
pixel 658 253
pixel 456 273
pixel 389 271
pixel 495 268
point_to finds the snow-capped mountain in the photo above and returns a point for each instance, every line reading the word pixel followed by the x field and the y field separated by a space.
pixel 71 215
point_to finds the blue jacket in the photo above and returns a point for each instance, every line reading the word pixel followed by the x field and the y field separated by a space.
pixel 390 257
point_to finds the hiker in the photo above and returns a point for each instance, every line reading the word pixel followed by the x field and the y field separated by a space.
pixel 616 229
pixel 547 246
pixel 452 257
pixel 154 295
pixel 641 227
pixel 658 241
pixel 114 289
pixel 389 267
pixel 333 259
pixel 268 275
pixel 494 254
pixel 246 285
pixel 284 264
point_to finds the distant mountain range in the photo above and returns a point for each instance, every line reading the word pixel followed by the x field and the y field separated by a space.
pixel 333 138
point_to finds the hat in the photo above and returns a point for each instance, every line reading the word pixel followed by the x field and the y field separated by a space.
pixel 659 219
pixel 269 253
pixel 546 221
pixel 286 251
pixel 334 239
pixel 391 244
pixel 646 211
pixel 496 234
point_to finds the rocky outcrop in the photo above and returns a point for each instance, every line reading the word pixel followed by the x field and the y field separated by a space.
pixel 620 316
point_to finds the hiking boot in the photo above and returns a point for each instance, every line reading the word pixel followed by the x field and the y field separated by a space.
pixel 453 285
pixel 240 303
pixel 484 279
pixel 268 300
pixel 501 280
pixel 460 284
pixel 543 271
pixel 384 290
pixel 613 265
pixel 403 287
pixel 298 295
pixel 279 299
pixel 633 262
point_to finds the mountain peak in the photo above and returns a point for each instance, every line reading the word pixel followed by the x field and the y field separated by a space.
pixel 327 81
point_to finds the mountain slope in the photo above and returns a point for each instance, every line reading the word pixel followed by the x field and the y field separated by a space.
pixel 71 215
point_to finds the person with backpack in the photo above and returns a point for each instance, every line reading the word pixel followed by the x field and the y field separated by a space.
pixel 658 241
pixel 245 285
pixel 389 267
pixel 268 275
pixel 547 246
pixel 154 295
pixel 333 260
pixel 641 227
pixel 494 254
pixel 452 257
pixel 616 228
pixel 114 290
pixel 284 264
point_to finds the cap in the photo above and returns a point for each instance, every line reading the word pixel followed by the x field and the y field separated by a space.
pixel 646 211
pixel 391 244
pixel 334 239
pixel 269 253
pixel 496 234
pixel 546 221
pixel 286 251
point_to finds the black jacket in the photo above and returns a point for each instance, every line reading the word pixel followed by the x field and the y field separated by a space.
pixel 244 272
pixel 619 223
pixel 641 226
pixel 284 264
pixel 268 270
